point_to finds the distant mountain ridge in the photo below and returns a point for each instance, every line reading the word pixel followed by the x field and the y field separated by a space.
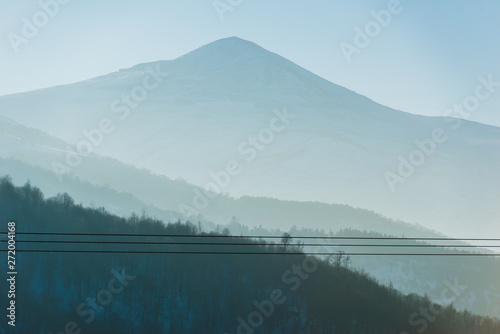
pixel 28 154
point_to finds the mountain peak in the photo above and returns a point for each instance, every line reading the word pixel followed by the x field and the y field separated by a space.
pixel 230 47
pixel 241 70
pixel 233 41
pixel 218 54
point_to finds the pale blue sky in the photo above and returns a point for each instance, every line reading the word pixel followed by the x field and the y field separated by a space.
pixel 427 58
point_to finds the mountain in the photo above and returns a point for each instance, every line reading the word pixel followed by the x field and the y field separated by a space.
pixel 238 119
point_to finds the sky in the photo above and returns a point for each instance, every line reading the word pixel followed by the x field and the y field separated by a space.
pixel 422 58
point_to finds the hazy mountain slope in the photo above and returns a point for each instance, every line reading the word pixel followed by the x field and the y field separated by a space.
pixel 119 203
pixel 335 149
pixel 39 152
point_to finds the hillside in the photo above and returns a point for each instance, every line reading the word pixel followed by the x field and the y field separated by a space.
pixel 162 292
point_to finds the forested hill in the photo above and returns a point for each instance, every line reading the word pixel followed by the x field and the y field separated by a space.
pixel 70 292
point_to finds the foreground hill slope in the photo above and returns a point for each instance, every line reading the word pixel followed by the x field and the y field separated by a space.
pixel 162 292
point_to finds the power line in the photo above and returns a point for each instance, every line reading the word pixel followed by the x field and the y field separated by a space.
pixel 252 236
pixel 208 243
pixel 249 253
pixel 249 244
